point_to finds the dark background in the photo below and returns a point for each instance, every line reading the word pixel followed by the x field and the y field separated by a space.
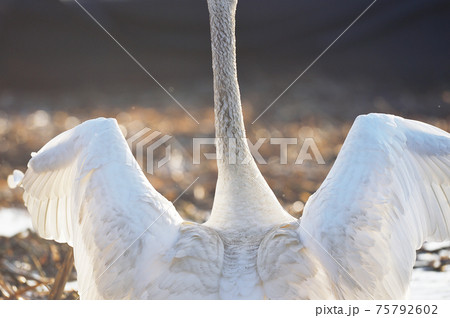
pixel 396 58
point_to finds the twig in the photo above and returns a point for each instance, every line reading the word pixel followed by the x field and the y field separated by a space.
pixel 10 268
pixel 24 290
pixel 62 277
pixel 6 289
pixel 31 254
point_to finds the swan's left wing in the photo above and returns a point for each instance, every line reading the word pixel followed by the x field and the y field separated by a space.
pixel 386 194
pixel 85 188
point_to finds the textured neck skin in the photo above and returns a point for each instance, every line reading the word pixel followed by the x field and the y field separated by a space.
pixel 227 99
pixel 242 199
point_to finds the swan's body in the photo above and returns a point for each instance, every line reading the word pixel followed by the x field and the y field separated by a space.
pixel 386 194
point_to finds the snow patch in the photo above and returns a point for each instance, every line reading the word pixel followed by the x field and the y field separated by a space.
pixel 15 179
pixel 14 221
pixel 434 246
pixel 430 285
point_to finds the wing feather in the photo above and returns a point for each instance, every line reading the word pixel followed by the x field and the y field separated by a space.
pixel 85 188
pixel 386 194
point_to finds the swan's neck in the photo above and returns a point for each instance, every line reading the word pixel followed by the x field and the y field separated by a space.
pixel 242 194
pixel 230 131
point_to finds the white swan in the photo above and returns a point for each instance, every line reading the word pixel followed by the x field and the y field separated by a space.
pixel 387 193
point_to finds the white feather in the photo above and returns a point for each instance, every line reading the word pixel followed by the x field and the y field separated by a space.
pixel 386 194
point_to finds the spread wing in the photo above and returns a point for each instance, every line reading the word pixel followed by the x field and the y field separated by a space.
pixel 386 194
pixel 85 188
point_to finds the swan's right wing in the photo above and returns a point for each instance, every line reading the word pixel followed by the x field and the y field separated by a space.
pixel 388 192
pixel 85 188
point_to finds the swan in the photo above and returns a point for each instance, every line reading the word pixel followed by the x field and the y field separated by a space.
pixel 386 194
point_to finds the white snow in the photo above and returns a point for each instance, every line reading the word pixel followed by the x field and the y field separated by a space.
pixel 424 285
pixel 430 285
pixel 15 179
pixel 70 286
pixel 433 246
pixel 14 221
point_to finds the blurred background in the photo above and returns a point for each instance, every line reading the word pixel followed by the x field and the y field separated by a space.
pixel 59 68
